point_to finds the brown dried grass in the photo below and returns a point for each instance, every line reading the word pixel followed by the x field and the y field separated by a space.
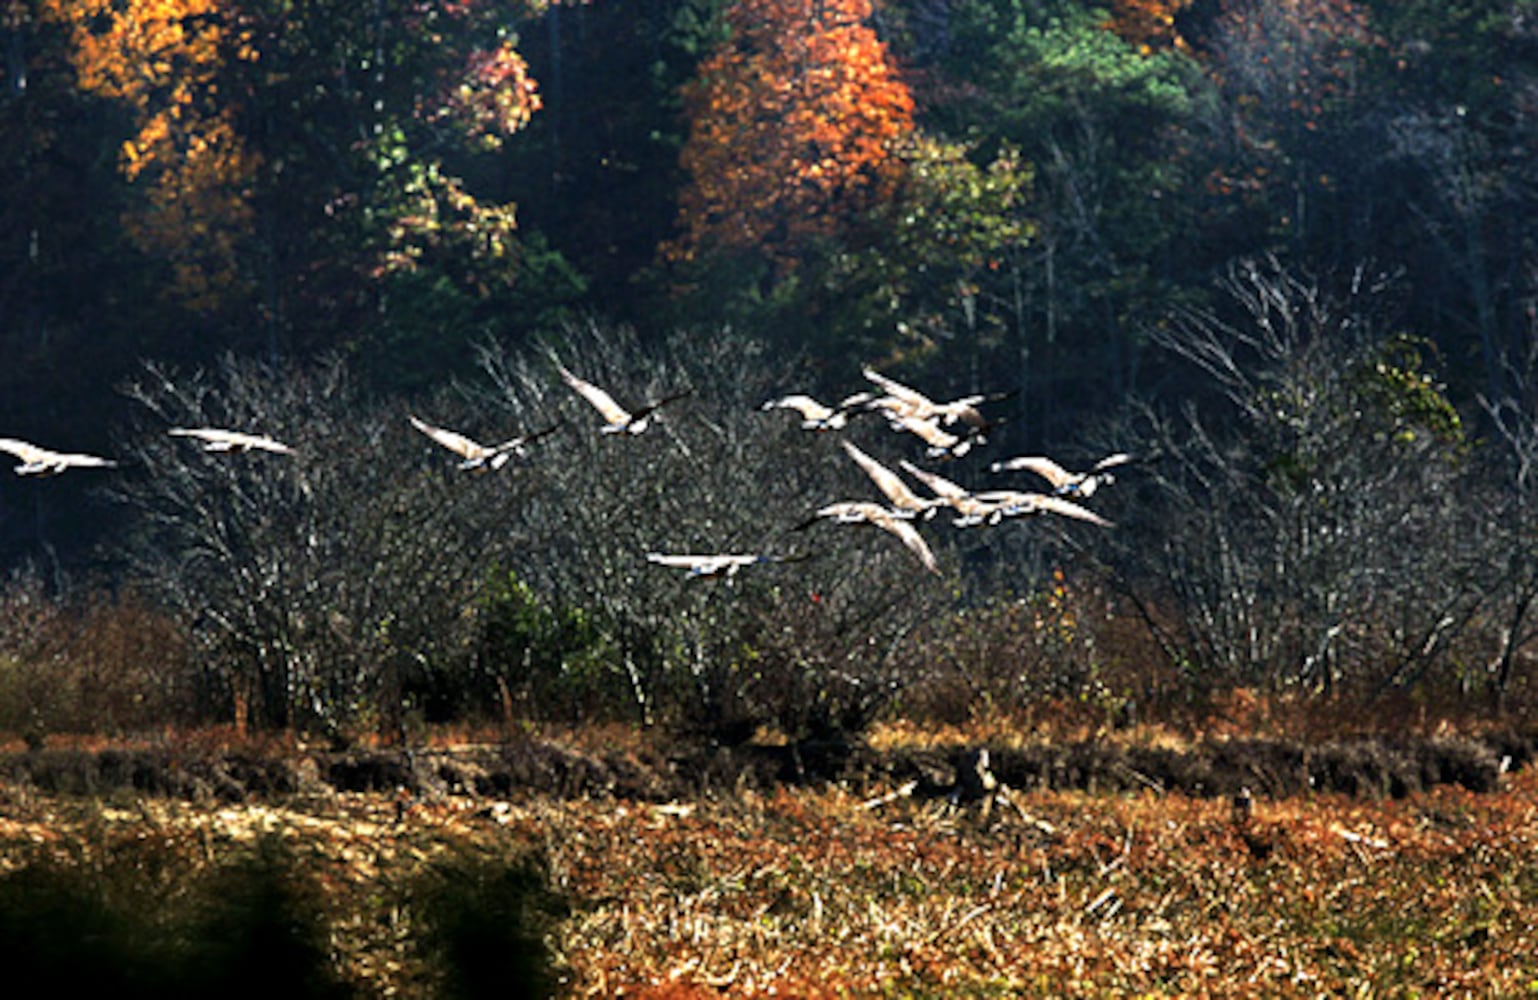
pixel 818 892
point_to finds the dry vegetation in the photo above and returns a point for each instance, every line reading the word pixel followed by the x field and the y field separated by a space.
pixel 822 890
pixel 806 894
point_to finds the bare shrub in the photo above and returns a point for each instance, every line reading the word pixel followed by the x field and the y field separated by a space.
pixel 324 588
pixel 806 646
pixel 27 699
pixel 1507 529
pixel 367 580
pixel 1065 645
pixel 1306 524
pixel 89 663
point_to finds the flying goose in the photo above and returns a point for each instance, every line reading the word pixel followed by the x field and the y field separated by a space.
pixel 37 461
pixel 715 565
pixel 941 487
pixel 892 485
pixel 617 419
pixel 476 455
pixel 231 441
pixel 942 443
pixel 896 391
pixel 1013 504
pixel 1065 483
pixel 902 401
pixel 890 521
pixel 992 506
pixel 817 416
pixel 965 410
pixel 852 512
pixel 972 509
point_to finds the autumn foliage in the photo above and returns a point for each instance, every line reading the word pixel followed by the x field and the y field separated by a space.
pixel 1292 58
pixel 1288 67
pixel 1148 24
pixel 795 122
pixel 231 102
pixel 163 59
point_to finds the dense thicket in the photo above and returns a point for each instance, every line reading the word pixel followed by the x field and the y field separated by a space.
pixel 1285 245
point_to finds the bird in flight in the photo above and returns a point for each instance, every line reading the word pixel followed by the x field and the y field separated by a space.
pixel 617 419
pixel 1065 483
pixel 37 461
pixel 970 508
pixel 891 484
pixel 231 441
pixel 893 522
pixel 817 416
pixel 902 401
pixel 942 443
pixel 993 506
pixel 1010 503
pixel 715 565
pixel 476 455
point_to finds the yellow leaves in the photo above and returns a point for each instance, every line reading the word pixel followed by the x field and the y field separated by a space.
pixel 436 216
pixel 162 58
pixel 190 71
pixel 197 206
pixel 124 48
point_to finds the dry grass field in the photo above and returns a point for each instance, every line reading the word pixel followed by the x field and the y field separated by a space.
pixel 821 890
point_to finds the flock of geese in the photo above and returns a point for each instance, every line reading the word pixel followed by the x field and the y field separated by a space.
pixel 39 461
pixel 948 430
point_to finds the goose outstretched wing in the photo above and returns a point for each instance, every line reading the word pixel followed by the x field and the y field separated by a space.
pixel 217 439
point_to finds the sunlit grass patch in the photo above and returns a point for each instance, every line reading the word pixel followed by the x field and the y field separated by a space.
pixel 821 891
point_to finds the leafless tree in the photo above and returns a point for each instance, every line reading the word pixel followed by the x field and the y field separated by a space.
pixel 1510 536
pixel 323 585
pixel 1306 521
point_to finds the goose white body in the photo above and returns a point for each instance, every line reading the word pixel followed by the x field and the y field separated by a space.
pixel 218 440
pixel 38 461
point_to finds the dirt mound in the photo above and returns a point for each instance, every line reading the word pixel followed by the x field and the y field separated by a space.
pixel 1377 767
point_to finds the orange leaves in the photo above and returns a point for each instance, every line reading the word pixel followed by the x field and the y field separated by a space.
pixel 1148 24
pixel 1287 68
pixel 198 210
pixel 1293 57
pixel 794 123
pixel 148 53
pixel 162 59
